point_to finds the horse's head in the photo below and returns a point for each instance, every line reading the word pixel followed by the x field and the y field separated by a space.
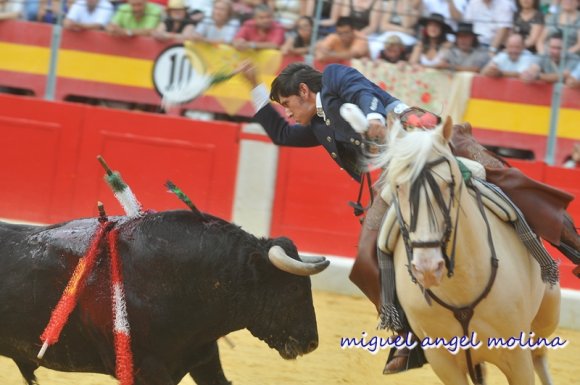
pixel 421 176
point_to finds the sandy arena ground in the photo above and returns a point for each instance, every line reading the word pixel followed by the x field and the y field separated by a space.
pixel 251 362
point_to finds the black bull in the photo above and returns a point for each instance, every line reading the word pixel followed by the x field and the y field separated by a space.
pixel 189 280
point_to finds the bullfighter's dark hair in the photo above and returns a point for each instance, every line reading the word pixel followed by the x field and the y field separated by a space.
pixel 288 82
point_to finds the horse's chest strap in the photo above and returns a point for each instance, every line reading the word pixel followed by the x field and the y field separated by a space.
pixel 464 316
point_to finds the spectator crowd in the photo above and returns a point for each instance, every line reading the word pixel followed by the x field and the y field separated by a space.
pixel 526 39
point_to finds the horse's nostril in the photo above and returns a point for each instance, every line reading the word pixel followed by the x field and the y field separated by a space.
pixel 440 265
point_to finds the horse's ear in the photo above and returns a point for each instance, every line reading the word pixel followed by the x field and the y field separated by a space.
pixel 447 128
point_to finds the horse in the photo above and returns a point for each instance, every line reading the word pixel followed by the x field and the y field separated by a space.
pixel 493 286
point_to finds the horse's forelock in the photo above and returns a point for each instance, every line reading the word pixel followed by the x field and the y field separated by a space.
pixel 407 154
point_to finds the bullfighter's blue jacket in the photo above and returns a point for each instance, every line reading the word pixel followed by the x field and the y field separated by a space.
pixel 340 84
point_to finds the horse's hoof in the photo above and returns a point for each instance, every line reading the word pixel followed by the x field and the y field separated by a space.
pixel 576 271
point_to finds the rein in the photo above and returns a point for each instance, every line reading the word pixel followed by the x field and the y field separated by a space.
pixel 462 314
pixel 465 314
pixel 425 177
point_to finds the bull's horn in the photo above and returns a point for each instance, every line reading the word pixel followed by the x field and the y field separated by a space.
pixel 282 261
pixel 311 259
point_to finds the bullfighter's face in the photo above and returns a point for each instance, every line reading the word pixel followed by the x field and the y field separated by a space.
pixel 301 107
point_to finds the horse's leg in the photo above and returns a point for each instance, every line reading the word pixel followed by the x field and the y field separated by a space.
pixel 540 357
pixel 445 367
pixel 543 325
pixel 517 366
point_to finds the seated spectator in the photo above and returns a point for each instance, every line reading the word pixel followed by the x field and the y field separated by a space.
pixel 466 54
pixel 299 43
pixel 262 32
pixel 345 44
pixel 221 27
pixel 573 160
pixel 136 17
pixel 492 20
pixel 529 22
pixel 49 11
pixel 88 14
pixel 548 67
pixel 10 9
pixel 177 24
pixel 329 14
pixel 451 10
pixel 287 12
pixel 573 80
pixel 365 14
pixel 430 50
pixel 395 51
pixel 399 19
pixel 511 62
pixel 568 21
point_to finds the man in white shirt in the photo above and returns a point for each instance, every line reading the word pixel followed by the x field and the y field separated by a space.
pixel 492 21
pixel 513 61
pixel 220 27
pixel 11 9
pixel 88 14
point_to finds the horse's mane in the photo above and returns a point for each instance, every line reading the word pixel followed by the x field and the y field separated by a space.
pixel 406 153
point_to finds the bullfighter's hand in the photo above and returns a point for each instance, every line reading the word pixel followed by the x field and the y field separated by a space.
pixel 377 131
pixel 376 135
pixel 248 70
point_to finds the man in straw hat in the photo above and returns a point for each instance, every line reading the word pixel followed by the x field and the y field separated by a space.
pixel 394 50
pixel 177 24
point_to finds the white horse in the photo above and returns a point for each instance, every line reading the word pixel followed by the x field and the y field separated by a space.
pixel 437 214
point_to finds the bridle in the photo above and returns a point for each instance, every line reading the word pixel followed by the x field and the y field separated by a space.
pixel 426 180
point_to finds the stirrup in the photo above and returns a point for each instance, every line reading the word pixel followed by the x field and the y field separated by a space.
pixel 414 358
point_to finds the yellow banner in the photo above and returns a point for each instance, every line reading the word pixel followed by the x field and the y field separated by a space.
pixel 221 58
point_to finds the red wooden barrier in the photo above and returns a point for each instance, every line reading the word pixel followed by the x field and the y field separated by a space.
pixel 535 170
pixel 50 173
pixel 311 202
